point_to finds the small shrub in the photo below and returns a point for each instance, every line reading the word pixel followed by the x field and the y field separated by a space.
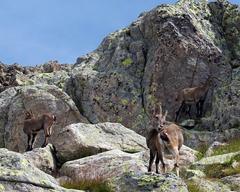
pixel 193 187
pixel 202 150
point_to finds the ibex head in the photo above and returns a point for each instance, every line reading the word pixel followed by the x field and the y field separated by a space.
pixel 29 115
pixel 160 117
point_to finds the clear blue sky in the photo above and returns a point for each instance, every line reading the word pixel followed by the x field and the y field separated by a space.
pixel 36 31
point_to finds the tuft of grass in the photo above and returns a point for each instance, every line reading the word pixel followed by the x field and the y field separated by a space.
pixel 222 170
pixel 96 185
pixel 201 151
pixel 193 187
pixel 232 146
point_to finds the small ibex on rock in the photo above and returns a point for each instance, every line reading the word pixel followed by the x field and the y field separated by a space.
pixel 193 95
pixel 166 135
pixel 33 125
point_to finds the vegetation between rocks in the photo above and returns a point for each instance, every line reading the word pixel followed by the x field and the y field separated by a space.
pixel 95 185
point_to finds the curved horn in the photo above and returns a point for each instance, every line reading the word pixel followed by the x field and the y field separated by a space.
pixel 160 109
pixel 166 112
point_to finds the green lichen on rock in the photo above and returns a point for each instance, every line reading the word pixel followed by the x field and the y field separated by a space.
pixel 127 62
pixel 2 188
pixel 205 185
pixel 90 185
pixel 150 183
pixel 124 101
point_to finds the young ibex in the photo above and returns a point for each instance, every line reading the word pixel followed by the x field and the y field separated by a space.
pixel 194 95
pixel 166 135
pixel 33 125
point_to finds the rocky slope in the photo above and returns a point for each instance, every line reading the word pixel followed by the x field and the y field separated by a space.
pixel 167 49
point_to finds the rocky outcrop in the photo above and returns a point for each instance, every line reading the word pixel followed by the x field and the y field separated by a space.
pixel 51 73
pixel 15 168
pixel 43 158
pixel 40 99
pixel 204 185
pixel 196 139
pixel 149 183
pixel 232 181
pixel 102 166
pixel 81 140
pixel 122 171
pixel 167 49
pixel 226 105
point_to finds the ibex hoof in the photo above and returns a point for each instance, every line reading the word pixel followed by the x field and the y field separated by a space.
pixel 29 149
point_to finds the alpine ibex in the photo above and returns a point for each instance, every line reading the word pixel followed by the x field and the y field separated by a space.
pixel 166 135
pixel 194 95
pixel 33 125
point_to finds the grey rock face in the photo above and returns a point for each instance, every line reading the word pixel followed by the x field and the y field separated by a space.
pixel 196 139
pixel 15 168
pixel 81 140
pixel 122 171
pixel 43 158
pixel 232 181
pixel 204 185
pixel 40 99
pixel 167 49
pixel 102 166
pixel 150 183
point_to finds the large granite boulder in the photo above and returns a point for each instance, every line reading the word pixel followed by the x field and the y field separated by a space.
pixel 15 168
pixel 43 158
pixel 197 139
pixel 81 140
pixel 167 49
pixel 149 183
pixel 40 99
pixel 232 181
pixel 120 171
pixel 102 166
pixel 206 185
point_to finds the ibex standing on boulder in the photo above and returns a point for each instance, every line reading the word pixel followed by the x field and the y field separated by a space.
pixel 194 95
pixel 33 125
pixel 168 136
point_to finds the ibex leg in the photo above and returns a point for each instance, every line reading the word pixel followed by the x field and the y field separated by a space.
pixel 45 141
pixel 201 108
pixel 47 132
pixel 160 157
pixel 179 112
pixel 189 111
pixel 29 148
pixel 176 155
pixel 152 155
pixel 33 139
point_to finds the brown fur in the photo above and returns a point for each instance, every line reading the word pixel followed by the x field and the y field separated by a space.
pixel 194 95
pixel 166 136
pixel 33 125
